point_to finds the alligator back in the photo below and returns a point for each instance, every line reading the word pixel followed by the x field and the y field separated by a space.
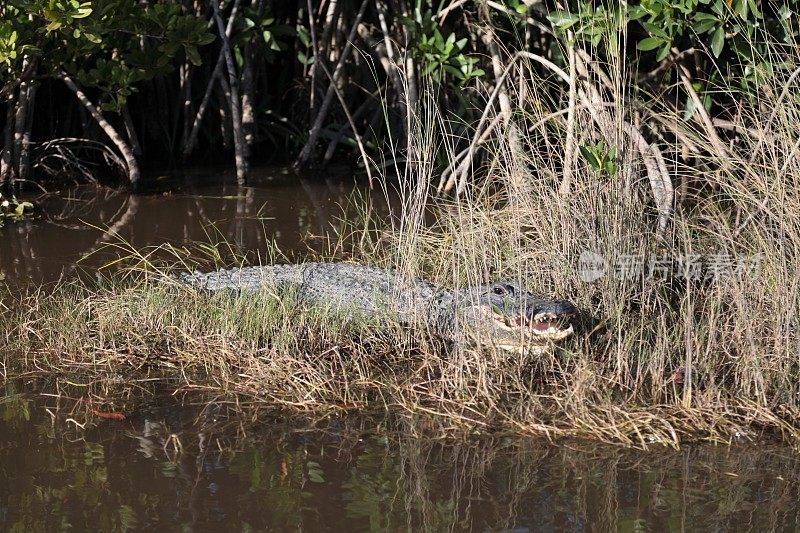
pixel 372 291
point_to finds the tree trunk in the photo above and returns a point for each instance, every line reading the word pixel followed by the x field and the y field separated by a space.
pixel 239 147
pixel 134 174
pixel 186 93
pixel 20 121
pixel 223 95
pixel 6 166
pixel 249 77
pixel 130 131
pixel 24 153
pixel 248 98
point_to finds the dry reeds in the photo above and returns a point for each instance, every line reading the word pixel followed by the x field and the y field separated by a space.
pixel 692 309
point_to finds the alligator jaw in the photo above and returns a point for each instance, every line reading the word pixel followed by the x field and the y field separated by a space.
pixel 533 335
pixel 548 326
pixel 525 349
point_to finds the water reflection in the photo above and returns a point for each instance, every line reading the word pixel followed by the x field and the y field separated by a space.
pixel 197 466
pixel 203 206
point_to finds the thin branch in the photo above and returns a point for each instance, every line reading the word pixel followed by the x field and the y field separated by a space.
pixel 365 106
pixel 786 88
pixel 351 122
pixel 130 160
pixel 738 128
pixel 455 164
pixel 700 110
pixel 191 141
pixel 447 184
pixel 656 169
pixel 666 64
pixel 316 128
pixel 570 142
pixel 446 11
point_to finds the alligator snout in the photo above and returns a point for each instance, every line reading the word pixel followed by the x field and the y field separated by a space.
pixel 550 319
pixel 550 308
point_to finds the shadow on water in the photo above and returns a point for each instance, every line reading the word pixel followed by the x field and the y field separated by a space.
pixel 277 207
pixel 200 465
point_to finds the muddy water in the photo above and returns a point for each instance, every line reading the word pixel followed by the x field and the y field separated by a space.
pixel 74 226
pixel 163 462
pixel 196 466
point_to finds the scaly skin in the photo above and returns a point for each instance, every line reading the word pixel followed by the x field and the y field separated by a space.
pixel 502 314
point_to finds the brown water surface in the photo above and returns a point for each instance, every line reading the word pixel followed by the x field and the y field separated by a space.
pixel 189 463
pixel 201 206
pixel 165 462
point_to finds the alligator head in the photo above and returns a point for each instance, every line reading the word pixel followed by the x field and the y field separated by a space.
pixel 506 315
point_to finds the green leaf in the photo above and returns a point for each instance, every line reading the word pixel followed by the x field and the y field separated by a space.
pixel 22 207
pixel 650 43
pixel 705 16
pixel 305 59
pixel 454 71
pixel 664 52
pixel 707 102
pixel 206 38
pixel 636 12
pixel 315 472
pixel 590 156
pixel 563 19
pixel 84 10
pixel 193 55
pixel 656 31
pixel 705 26
pixel 718 41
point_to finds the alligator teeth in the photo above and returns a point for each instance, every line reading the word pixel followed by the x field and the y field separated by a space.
pixel 549 326
pixel 542 317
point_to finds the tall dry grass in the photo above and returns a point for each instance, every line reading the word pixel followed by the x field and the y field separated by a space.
pixel 671 348
pixel 659 357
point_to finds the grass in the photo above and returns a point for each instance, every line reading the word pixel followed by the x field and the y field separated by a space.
pixel 272 351
pixel 667 358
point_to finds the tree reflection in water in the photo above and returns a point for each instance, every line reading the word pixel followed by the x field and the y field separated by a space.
pixel 209 463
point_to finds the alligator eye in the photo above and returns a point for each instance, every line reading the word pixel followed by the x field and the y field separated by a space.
pixel 500 291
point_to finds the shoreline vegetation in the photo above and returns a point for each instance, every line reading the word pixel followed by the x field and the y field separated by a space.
pixel 140 324
pixel 639 160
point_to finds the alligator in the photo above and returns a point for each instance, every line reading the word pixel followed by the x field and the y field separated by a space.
pixel 502 314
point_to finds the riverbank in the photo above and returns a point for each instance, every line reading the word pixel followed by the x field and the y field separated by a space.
pixel 144 325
